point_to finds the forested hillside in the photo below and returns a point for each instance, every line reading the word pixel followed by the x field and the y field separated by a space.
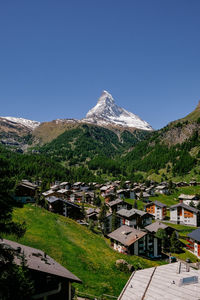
pixel 81 144
pixel 92 153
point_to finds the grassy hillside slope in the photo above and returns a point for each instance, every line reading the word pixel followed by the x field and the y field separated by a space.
pixel 84 253
pixel 194 115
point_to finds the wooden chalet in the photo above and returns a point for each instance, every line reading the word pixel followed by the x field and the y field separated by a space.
pixel 91 214
pixel 135 242
pixel 109 197
pixel 134 218
pixel 143 196
pixel 154 227
pixel 162 189
pixel 126 193
pixel 64 207
pixel 25 191
pixel 51 280
pixel 118 204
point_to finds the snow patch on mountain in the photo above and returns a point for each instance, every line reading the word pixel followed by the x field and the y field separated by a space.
pixel 106 112
pixel 25 122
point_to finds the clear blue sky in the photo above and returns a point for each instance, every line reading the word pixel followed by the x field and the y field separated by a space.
pixel 56 56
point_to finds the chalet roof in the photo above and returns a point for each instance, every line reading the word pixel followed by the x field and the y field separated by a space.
pixel 155 226
pixel 39 261
pixel 115 202
pixel 144 195
pixel 55 187
pixel 137 188
pixel 64 183
pixel 187 207
pixel 104 188
pixel 49 192
pixel 91 211
pixel 52 199
pixel 157 203
pixel 126 235
pixel 149 189
pixel 121 191
pixel 26 181
pixel 62 191
pixel 129 213
pixel 28 184
pixel 162 282
pixel 195 234
pixel 77 183
pixel 161 187
pixel 181 183
pixel 109 194
pixel 91 194
pixel 70 203
pixel 188 197
pixel 79 194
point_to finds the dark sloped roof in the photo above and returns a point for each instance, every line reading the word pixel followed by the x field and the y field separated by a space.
pixel 160 204
pixel 157 203
pixel 126 235
pixel 129 213
pixel 155 226
pixel 70 203
pixel 190 208
pixel 115 202
pixel 36 260
pixel 91 212
pixel 52 199
pixel 195 234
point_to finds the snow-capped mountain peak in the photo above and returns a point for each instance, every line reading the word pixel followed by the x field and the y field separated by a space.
pixel 106 97
pixel 25 122
pixel 106 112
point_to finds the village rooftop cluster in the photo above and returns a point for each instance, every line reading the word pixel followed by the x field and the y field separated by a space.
pixel 134 230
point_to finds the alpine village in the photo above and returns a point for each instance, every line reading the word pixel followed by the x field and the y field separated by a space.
pixel 100 208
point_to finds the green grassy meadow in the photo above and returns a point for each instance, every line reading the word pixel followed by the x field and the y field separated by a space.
pixel 82 252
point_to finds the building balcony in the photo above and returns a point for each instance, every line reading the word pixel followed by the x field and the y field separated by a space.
pixel 190 247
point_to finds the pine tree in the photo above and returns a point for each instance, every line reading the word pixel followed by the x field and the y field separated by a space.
pixel 15 282
pixel 114 221
pixel 97 201
pixel 162 235
pixel 83 210
pixel 91 225
pixel 102 217
pixel 135 204
pixel 176 246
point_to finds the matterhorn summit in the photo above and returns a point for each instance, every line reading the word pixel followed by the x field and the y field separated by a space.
pixel 106 112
